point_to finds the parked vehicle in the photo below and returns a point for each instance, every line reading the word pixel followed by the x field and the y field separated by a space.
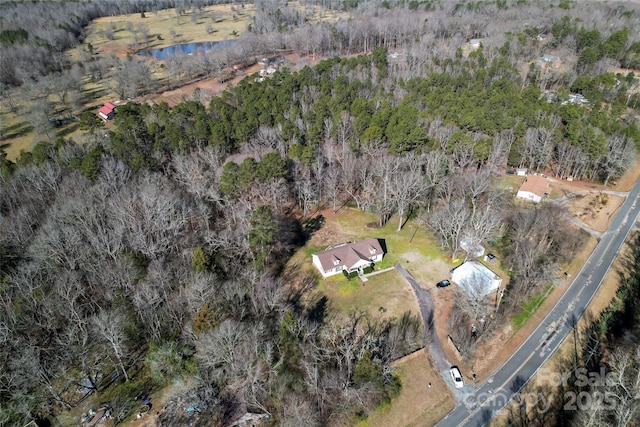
pixel 443 284
pixel 456 376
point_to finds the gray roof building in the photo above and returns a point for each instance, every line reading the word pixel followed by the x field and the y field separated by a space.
pixel 352 256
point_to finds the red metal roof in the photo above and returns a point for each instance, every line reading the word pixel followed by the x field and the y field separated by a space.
pixel 107 108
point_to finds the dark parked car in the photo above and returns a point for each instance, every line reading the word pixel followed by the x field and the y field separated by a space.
pixel 443 284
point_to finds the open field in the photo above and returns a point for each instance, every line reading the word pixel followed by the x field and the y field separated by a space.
pixel 18 135
pixel 129 33
pixel 117 36
pixel 167 27
pixel 383 295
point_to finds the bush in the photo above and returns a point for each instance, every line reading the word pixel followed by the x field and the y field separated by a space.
pixel 368 270
pixel 350 275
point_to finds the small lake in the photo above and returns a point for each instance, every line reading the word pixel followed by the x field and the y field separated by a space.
pixel 186 48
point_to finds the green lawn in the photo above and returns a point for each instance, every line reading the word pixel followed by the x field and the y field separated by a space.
pixel 530 307
pixel 412 237
pixel 413 247
pixel 387 294
pixel 510 182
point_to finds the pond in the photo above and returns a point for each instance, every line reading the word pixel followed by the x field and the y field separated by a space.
pixel 186 48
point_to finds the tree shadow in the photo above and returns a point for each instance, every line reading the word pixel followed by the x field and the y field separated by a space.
pixel 318 311
pixel 91 94
pixel 429 323
pixel 311 225
pixel 485 417
pixel 302 283
pixel 67 130
pixel 383 245
pixel 342 205
pixel 517 384
pixel 410 213
pixel 17 130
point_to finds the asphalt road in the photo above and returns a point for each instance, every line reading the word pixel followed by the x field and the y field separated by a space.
pixel 479 405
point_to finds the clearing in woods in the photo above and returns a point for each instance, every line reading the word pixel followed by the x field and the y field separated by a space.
pixel 124 35
pixel 417 404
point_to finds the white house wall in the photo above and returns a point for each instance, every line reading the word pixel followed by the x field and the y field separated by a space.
pixel 316 262
pixel 529 196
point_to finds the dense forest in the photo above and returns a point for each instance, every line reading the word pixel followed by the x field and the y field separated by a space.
pixel 154 255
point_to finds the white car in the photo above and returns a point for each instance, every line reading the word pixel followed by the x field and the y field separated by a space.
pixel 456 376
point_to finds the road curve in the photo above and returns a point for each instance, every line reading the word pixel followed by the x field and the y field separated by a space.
pixel 479 406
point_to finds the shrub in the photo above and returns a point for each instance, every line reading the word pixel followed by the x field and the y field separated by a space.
pixel 350 275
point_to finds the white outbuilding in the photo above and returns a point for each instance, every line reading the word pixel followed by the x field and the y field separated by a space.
pixel 476 279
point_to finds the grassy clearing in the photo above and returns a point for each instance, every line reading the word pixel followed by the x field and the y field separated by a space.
pixel 349 288
pixel 17 129
pixel 17 134
pixel 166 27
pixel 412 238
pixel 412 246
pixel 530 307
pixel 387 290
pixel 510 182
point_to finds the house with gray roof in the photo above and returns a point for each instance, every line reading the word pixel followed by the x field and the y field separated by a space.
pixel 351 256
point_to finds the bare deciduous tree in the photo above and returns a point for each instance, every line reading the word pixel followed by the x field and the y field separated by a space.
pixel 448 221
pixel 109 326
pixel 619 157
pixel 408 185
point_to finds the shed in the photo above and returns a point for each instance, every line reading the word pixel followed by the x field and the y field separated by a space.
pixel 107 111
pixel 476 279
